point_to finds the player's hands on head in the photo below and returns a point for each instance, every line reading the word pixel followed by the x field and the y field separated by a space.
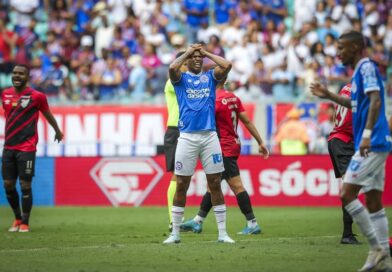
pixel 194 47
pixel 317 89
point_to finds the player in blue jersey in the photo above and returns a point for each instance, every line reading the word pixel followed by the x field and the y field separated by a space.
pixel 372 143
pixel 195 91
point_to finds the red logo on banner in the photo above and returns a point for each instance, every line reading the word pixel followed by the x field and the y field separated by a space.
pixel 126 181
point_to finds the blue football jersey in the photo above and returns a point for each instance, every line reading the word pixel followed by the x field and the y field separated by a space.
pixel 367 78
pixel 196 101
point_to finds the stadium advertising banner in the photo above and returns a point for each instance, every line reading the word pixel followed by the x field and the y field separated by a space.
pixel 91 131
pixel 278 181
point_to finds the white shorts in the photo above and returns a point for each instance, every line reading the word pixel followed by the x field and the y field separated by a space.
pixel 368 172
pixel 204 145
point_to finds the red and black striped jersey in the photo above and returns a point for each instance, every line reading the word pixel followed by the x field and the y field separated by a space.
pixel 21 112
pixel 343 129
pixel 227 108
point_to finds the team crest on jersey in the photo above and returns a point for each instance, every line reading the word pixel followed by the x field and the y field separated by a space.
pixel 204 79
pixel 24 102
pixel 224 101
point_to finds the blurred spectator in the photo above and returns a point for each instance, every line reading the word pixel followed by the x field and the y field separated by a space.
pixel 84 54
pixel 342 14
pixel 283 80
pixel 321 145
pixel 24 11
pixel 118 9
pixel 197 13
pixel 222 10
pixel 103 35
pixel 7 44
pixel 109 81
pixel 137 79
pixel 172 9
pixel 56 84
pixel 292 136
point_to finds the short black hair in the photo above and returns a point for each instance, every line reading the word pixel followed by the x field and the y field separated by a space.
pixel 27 67
pixel 354 37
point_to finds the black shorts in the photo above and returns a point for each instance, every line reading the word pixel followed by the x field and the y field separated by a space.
pixel 231 168
pixel 340 153
pixel 169 146
pixel 16 164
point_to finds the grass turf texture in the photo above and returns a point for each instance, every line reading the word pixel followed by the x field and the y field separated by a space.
pixel 130 239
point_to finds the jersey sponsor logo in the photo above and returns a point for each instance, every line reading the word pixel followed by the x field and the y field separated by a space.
pixel 204 79
pixel 217 158
pixel 198 93
pixel 126 181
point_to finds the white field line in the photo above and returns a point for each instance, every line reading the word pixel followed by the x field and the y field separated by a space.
pixel 57 248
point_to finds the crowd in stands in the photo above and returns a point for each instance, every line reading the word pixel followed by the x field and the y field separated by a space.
pixel 119 50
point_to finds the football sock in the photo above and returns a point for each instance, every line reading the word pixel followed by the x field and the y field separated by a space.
pixel 380 223
pixel 177 214
pixel 205 206
pixel 361 216
pixel 220 215
pixel 347 223
pixel 171 190
pixel 13 200
pixel 27 205
pixel 243 201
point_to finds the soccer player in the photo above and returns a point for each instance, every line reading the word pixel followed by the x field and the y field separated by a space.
pixel 195 91
pixel 171 137
pixel 22 105
pixel 341 149
pixel 228 109
pixel 372 143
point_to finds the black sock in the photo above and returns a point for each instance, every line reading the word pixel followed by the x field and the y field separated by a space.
pixel 13 200
pixel 205 205
pixel 245 206
pixel 27 205
pixel 347 223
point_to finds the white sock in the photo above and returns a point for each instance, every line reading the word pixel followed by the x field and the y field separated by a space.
pixel 380 223
pixel 361 216
pixel 177 214
pixel 220 215
pixel 199 219
pixel 252 223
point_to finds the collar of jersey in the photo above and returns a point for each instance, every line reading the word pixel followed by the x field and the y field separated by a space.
pixel 360 62
pixel 192 74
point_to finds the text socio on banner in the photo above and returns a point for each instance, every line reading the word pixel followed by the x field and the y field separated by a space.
pixel 278 181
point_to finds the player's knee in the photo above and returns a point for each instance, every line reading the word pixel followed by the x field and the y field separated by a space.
pixel 25 184
pixel 9 185
pixel 214 183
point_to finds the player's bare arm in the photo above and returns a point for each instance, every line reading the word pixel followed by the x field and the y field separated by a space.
pixel 224 66
pixel 374 109
pixel 321 91
pixel 52 121
pixel 243 116
pixel 175 67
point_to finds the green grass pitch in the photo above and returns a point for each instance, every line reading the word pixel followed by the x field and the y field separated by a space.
pixel 130 239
